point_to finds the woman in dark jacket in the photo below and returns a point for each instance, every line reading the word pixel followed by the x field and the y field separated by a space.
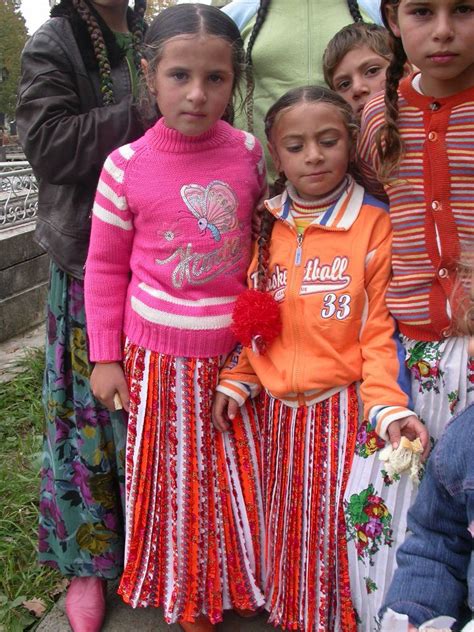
pixel 76 104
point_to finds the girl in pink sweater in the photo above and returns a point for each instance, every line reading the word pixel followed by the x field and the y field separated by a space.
pixel 170 245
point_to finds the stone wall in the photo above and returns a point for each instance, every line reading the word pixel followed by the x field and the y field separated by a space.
pixel 23 281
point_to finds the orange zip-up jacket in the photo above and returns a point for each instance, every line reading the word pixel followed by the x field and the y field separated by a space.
pixel 330 283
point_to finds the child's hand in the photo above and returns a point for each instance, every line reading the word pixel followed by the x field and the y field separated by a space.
pixel 224 410
pixel 411 628
pixel 411 428
pixel 107 379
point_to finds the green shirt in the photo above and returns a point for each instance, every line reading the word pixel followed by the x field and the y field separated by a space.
pixel 125 41
pixel 288 53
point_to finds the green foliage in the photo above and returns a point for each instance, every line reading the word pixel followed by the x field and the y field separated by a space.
pixel 21 423
pixel 153 7
pixel 13 36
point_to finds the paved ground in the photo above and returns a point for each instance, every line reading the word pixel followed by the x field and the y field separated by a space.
pixel 120 618
pixel 11 351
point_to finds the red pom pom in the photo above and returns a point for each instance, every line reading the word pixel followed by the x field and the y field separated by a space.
pixel 256 319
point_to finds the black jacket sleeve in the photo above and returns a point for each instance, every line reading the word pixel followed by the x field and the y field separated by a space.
pixel 65 133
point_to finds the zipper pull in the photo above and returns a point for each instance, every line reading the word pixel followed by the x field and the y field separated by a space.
pixel 299 239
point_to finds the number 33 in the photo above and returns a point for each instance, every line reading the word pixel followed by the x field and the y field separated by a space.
pixel 338 305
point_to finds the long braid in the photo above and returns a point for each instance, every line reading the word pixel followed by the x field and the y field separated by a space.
pixel 138 31
pixel 263 255
pixel 279 184
pixel 388 139
pixel 355 11
pixel 100 50
pixel 261 15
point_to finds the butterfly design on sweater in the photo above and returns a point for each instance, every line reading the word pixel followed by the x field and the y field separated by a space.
pixel 213 206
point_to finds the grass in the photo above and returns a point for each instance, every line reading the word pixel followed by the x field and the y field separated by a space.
pixel 21 423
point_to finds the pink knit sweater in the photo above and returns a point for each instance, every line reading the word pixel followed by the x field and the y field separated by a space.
pixel 171 241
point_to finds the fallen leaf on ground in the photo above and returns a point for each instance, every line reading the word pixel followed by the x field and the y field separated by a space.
pixel 60 587
pixel 35 606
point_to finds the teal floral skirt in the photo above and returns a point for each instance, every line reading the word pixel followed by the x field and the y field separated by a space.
pixel 81 517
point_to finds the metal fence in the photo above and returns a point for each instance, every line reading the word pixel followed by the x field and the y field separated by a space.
pixel 18 194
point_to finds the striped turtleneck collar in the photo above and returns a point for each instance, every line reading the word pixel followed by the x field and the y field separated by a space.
pixel 319 204
pixel 336 211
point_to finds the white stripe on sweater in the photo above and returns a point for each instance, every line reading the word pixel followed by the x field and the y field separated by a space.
pixel 249 141
pixel 114 171
pixel 369 256
pixel 110 218
pixel 117 200
pixel 126 151
pixel 178 321
pixel 353 207
pixel 200 302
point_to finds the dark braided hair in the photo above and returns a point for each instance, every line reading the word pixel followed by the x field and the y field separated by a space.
pixel 261 16
pixel 388 139
pixel 354 10
pixel 137 28
pixel 304 94
pixel 105 71
pixel 263 254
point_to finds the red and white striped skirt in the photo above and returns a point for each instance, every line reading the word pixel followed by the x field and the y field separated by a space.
pixel 307 457
pixel 194 521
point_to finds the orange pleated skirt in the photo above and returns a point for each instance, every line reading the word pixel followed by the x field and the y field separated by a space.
pixel 194 512
pixel 308 453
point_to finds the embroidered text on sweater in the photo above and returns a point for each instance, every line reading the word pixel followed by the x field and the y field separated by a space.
pixel 171 241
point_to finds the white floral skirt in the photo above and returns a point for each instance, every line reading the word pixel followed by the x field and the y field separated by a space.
pixel 376 506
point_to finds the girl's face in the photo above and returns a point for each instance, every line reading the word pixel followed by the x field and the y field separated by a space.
pixel 310 143
pixel 113 12
pixel 438 37
pixel 359 76
pixel 193 82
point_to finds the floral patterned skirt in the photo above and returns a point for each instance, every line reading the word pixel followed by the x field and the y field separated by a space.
pixel 80 527
pixel 376 506
pixel 307 458
pixel 194 512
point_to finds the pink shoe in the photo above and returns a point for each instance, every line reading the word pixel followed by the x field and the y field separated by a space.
pixel 85 604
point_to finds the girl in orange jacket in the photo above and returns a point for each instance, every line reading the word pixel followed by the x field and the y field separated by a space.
pixel 324 257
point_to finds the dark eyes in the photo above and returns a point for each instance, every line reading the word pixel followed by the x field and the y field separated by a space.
pixel 373 70
pixel 421 12
pixel 179 76
pixel 183 76
pixel 463 9
pixel 343 85
pixel 328 142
